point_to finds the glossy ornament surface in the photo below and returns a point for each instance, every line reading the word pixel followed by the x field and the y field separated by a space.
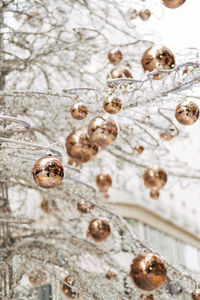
pixel 144 14
pixel 111 275
pixel 102 132
pixel 44 205
pixel 99 230
pixel 48 172
pixel 120 73
pixel 166 135
pixel 103 181
pixel 154 179
pixel 84 206
pixel 112 104
pixel 139 149
pixel 173 3
pixel 80 147
pixel 154 194
pixel 148 272
pixel 196 294
pixel 79 111
pixel 187 113
pixel 37 278
pixel 158 58
pixel 115 56
pixel 67 283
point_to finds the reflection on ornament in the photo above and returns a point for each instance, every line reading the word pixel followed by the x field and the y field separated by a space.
pixel 67 285
pixel 173 3
pixel 84 206
pixel 79 111
pixel 196 294
pixel 111 275
pixel 99 230
pixel 156 58
pixel 44 205
pixel 139 149
pixel 80 147
pixel 133 14
pixel 154 194
pixel 115 56
pixel 120 73
pixel 166 135
pixel 144 14
pixel 103 181
pixel 187 113
pixel 48 172
pixel 37 278
pixel 102 132
pixel 154 179
pixel 148 272
pixel 112 104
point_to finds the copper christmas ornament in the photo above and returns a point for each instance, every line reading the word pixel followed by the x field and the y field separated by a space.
pixel 173 3
pixel 103 181
pixel 67 284
pixel 120 73
pixel 79 111
pixel 148 272
pixel 112 104
pixel 196 294
pixel 139 149
pixel 99 230
pixel 154 179
pixel 111 275
pixel 144 14
pixel 154 194
pixel 102 132
pixel 166 135
pixel 80 147
pixel 48 172
pixel 187 113
pixel 84 206
pixel 149 297
pixel 156 58
pixel 115 56
pixel 37 277
pixel 44 205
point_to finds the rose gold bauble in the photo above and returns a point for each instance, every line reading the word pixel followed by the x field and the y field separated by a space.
pixel 196 294
pixel 112 104
pixel 156 58
pixel 98 230
pixel 149 297
pixel 84 206
pixel 111 275
pixel 154 179
pixel 44 205
pixel 48 172
pixel 166 135
pixel 133 14
pixel 154 194
pixel 144 14
pixel 103 181
pixel 37 277
pixel 139 149
pixel 66 287
pixel 148 272
pixel 115 56
pixel 173 3
pixel 79 111
pixel 102 132
pixel 80 147
pixel 187 113
pixel 120 73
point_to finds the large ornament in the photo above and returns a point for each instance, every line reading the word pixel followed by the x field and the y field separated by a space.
pixel 48 172
pixel 144 14
pixel 173 3
pixel 112 104
pixel 187 113
pixel 154 179
pixel 99 230
pixel 156 58
pixel 84 206
pixel 79 111
pixel 103 181
pixel 148 272
pixel 102 132
pixel 115 56
pixel 37 278
pixel 80 147
pixel 196 294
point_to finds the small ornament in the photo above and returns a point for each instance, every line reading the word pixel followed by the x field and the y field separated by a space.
pixel 103 181
pixel 112 104
pixel 154 194
pixel 133 14
pixel 67 284
pixel 187 113
pixel 80 147
pixel 115 56
pixel 149 297
pixel 111 275
pixel 84 206
pixel 156 58
pixel 120 73
pixel 48 172
pixel 148 272
pixel 99 230
pixel 102 132
pixel 173 3
pixel 44 205
pixel 37 278
pixel 144 14
pixel 166 135
pixel 139 149
pixel 154 179
pixel 196 294
pixel 79 111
